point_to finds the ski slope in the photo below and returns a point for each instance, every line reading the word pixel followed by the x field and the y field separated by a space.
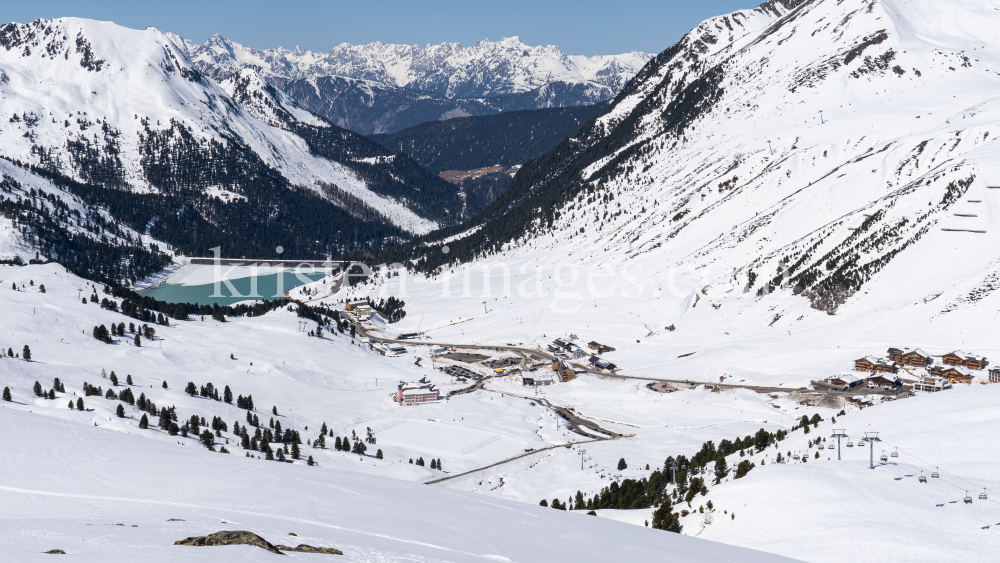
pixel 102 495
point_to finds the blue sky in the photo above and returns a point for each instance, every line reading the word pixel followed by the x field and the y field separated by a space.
pixel 580 27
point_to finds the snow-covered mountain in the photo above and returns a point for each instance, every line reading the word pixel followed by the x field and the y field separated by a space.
pixel 482 70
pixel 370 88
pixel 823 147
pixel 125 110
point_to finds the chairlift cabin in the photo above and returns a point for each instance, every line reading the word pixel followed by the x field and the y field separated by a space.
pixel 967 499
pixel 895 453
pixel 884 458
pixel 850 444
pixel 830 447
pixel 922 479
pixel 982 495
pixel 936 475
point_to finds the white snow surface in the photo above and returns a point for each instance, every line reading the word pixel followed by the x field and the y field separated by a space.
pixel 71 476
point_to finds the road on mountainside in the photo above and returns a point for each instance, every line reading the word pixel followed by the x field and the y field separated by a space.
pixel 508 460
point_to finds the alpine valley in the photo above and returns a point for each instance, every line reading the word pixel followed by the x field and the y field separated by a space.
pixel 739 311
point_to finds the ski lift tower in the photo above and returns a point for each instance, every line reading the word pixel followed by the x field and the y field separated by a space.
pixel 871 438
pixel 838 434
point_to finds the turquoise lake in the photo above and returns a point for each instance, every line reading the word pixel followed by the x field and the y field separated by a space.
pixel 267 288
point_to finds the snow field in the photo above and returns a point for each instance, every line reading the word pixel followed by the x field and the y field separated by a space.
pixel 68 486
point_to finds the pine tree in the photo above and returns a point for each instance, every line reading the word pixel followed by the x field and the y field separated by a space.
pixel 310 461
pixel 295 451
pixel 38 389
pixel 322 429
pixel 207 439
pixel 274 410
pixel 71 407
pixel 245 442
pixel 336 444
pixel 227 396
pixel 164 384
pixel 622 465
pixel 79 403
pixel 378 454
pixel 143 422
pixel 10 352
pixel 114 378
pixel 439 465
pixel 6 394
pixel 52 394
pixel 191 389
pixel 26 353
pixel 420 461
pixel 434 463
pixel 128 379
pixel 544 503
pixel 138 341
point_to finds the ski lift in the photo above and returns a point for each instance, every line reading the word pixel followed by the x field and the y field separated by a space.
pixel 830 447
pixel 895 453
pixel 850 444
pixel 936 475
pixel 861 442
pixel 982 495
pixel 795 457
pixel 967 499
pixel 884 457
pixel 922 479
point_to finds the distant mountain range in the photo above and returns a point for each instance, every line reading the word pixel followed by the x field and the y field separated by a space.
pixel 383 88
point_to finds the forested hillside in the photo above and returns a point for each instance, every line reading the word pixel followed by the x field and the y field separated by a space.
pixel 507 139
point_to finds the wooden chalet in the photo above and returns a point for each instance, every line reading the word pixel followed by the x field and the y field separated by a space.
pixel 601 348
pixel 881 381
pixel 845 380
pixel 871 364
pixel 955 374
pixel 565 371
pixel 906 357
pixel 970 361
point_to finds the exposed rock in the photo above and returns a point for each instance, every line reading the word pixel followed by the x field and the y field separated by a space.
pixel 59 551
pixel 303 548
pixel 239 537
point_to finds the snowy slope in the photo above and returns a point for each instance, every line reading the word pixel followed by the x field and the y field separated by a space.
pixel 72 475
pixel 101 495
pixel 882 203
pixel 484 69
pixel 91 99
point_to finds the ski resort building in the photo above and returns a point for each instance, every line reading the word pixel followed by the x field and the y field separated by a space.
pixel 881 381
pixel 995 375
pixel 906 357
pixel 600 363
pixel 536 379
pixel 932 384
pixel 846 381
pixel 955 374
pixel 565 371
pixel 600 348
pixel 361 308
pixel 970 361
pixel 871 364
pixel 416 393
